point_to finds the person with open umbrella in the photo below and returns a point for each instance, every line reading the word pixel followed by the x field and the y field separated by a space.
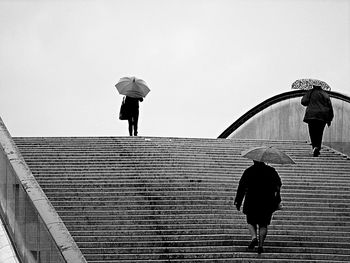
pixel 134 90
pixel 260 187
pixel 319 111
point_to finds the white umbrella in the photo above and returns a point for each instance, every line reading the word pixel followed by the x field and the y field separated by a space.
pixel 267 154
pixel 132 87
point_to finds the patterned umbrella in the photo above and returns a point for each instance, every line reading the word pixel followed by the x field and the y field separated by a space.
pixel 132 87
pixel 267 154
pixel 307 84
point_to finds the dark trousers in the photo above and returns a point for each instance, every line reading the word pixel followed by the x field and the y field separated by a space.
pixel 316 132
pixel 133 120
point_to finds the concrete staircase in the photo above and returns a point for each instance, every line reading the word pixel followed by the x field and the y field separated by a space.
pixel 145 199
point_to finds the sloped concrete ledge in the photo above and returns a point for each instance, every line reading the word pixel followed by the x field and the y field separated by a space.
pixel 61 236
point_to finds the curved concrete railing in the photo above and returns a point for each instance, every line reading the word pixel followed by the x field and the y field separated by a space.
pixel 281 118
pixel 34 226
pixel 269 102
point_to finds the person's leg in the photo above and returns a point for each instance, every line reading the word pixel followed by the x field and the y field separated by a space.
pixel 312 131
pixel 252 227
pixel 263 223
pixel 316 132
pixel 130 125
pixel 319 128
pixel 253 233
pixel 136 120
pixel 262 237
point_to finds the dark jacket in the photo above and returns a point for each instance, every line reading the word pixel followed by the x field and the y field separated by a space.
pixel 318 106
pixel 259 186
pixel 132 104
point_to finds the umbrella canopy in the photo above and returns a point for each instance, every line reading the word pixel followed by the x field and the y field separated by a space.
pixel 267 154
pixel 307 84
pixel 132 87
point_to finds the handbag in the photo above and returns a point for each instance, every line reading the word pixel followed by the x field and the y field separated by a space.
pixel 123 113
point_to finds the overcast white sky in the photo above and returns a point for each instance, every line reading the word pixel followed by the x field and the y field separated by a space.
pixel 206 62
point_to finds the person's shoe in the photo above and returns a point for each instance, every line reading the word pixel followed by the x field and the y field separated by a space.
pixel 316 152
pixel 260 250
pixel 253 243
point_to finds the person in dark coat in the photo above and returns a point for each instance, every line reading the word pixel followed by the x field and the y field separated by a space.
pixel 260 187
pixel 132 106
pixel 318 113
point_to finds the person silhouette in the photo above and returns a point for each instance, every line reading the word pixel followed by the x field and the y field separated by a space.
pixel 318 113
pixel 260 187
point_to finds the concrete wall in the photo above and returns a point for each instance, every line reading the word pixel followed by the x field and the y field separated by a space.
pixel 284 121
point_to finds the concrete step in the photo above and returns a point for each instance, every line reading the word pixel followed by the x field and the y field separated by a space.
pixel 193 237
pixel 233 247
pixel 168 255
